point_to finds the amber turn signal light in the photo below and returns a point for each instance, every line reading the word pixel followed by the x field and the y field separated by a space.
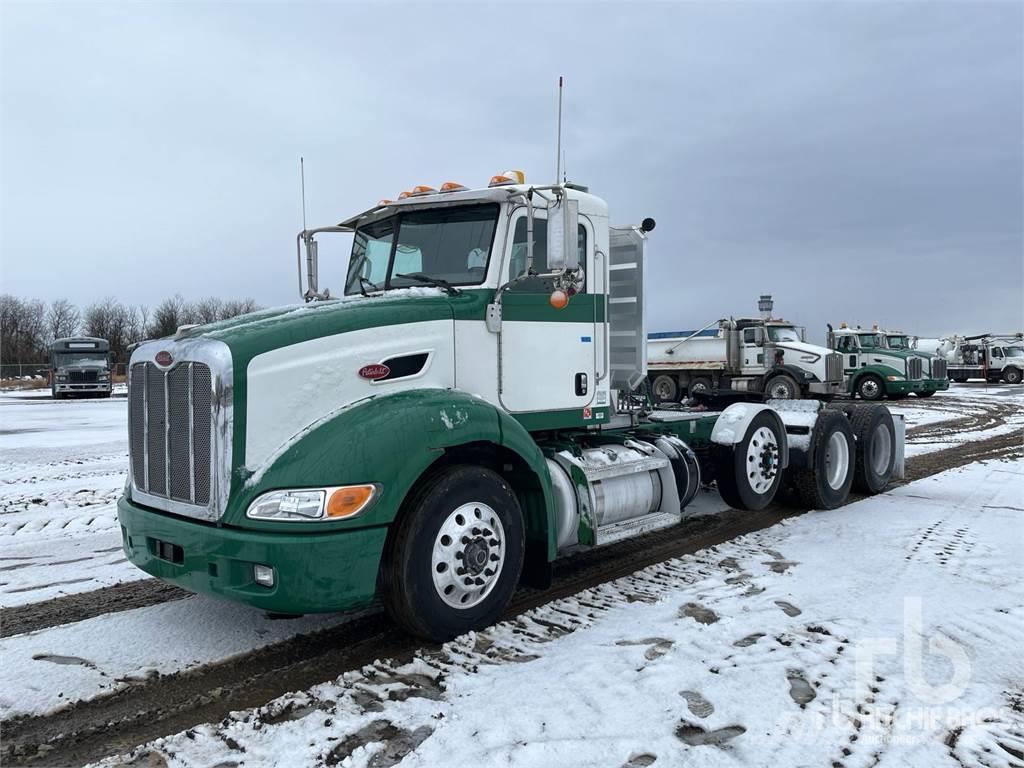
pixel 559 299
pixel 350 500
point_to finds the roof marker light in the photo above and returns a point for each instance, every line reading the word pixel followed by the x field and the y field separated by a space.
pixel 384 201
pixel 405 195
pixel 452 186
pixel 422 189
pixel 506 178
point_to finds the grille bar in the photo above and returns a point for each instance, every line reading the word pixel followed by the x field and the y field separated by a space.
pixel 939 368
pixel 170 431
pixel 914 368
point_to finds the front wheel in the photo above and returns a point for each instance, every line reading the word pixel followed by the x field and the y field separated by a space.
pixel 782 387
pixel 748 473
pixel 1011 376
pixel 926 393
pixel 871 388
pixel 456 554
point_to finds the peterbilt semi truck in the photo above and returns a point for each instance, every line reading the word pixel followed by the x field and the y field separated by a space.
pixel 875 371
pixel 935 371
pixel 467 410
pixel 80 366
pixel 761 355
pixel 989 357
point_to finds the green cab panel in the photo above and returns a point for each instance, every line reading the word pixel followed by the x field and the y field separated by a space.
pixel 315 571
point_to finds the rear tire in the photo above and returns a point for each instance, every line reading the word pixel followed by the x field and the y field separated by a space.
pixel 782 387
pixel 457 528
pixel 748 473
pixel 826 480
pixel 871 388
pixel 664 389
pixel 700 387
pixel 876 447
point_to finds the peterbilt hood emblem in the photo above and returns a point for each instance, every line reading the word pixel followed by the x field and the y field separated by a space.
pixel 374 371
pixel 163 357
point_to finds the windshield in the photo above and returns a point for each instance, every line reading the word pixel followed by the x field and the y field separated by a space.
pixel 449 244
pixel 782 333
pixel 872 341
pixel 898 342
pixel 65 359
pixel 1014 351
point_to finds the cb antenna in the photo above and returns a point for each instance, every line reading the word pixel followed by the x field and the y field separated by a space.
pixel 558 151
pixel 302 175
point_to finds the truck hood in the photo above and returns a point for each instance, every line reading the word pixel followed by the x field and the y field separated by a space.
pixel 803 348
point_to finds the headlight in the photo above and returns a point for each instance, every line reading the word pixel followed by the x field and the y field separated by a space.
pixel 104 377
pixel 335 503
pixel 895 378
pixel 62 377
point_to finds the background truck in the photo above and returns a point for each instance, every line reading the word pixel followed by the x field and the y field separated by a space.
pixel 467 411
pixel 80 366
pixel 935 373
pixel 989 357
pixel 874 371
pixel 751 354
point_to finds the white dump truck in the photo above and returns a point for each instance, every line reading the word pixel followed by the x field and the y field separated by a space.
pixel 760 355
pixel 466 411
pixel 986 356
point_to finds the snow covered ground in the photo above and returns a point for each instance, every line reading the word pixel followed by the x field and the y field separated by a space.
pixel 814 642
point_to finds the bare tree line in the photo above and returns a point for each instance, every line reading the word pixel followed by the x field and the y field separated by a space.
pixel 27 326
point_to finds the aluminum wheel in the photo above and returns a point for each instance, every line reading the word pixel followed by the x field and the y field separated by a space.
pixel 468 555
pixel 869 389
pixel 881 450
pixel 837 460
pixel 762 460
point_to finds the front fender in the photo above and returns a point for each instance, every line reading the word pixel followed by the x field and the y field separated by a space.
pixel 733 422
pixel 391 440
pixel 882 371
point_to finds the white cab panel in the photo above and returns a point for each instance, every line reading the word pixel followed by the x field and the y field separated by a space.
pixel 539 363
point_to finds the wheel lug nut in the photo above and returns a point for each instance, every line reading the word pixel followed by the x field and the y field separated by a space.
pixel 460 571
pixel 476 531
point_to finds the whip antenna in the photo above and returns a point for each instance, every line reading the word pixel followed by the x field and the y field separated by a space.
pixel 302 175
pixel 558 151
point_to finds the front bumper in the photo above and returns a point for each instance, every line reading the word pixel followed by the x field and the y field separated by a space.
pixel 64 387
pixel 314 572
pixel 826 387
pixel 904 387
pixel 935 385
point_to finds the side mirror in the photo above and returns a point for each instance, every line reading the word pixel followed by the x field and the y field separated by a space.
pixel 563 223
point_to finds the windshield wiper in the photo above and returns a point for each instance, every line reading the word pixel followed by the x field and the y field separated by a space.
pixel 437 282
pixel 363 282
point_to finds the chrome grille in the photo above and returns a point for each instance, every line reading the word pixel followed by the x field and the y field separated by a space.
pixel 914 368
pixel 939 370
pixel 83 377
pixel 170 418
pixel 834 367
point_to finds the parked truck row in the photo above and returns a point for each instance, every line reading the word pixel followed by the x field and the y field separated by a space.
pixel 470 408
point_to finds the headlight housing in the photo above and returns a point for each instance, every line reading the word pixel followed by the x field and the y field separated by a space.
pixel 313 504
pixel 895 378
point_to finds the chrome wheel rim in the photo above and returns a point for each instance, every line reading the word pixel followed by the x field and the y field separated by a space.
pixel 869 389
pixel 881 450
pixel 781 391
pixel 837 460
pixel 468 555
pixel 663 388
pixel 700 386
pixel 762 460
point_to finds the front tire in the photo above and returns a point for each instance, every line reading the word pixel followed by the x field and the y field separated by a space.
pixel 456 555
pixel 825 482
pixel 748 473
pixel 926 393
pixel 782 387
pixel 871 388
pixel 1012 376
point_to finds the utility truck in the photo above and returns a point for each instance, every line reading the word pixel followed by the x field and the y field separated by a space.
pixel 760 355
pixel 80 366
pixel 989 357
pixel 467 410
pixel 875 371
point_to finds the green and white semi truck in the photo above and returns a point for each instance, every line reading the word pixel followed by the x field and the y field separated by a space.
pixel 466 412
pixel 875 371
pixel 935 369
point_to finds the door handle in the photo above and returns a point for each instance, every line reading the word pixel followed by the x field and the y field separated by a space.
pixel 581 384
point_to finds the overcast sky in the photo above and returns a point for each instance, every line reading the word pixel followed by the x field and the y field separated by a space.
pixel 861 161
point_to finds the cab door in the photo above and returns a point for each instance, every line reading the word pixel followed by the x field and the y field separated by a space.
pixel 752 351
pixel 547 356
